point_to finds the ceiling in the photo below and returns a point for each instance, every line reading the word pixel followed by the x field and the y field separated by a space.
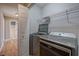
pixel 8 9
pixel 41 5
pixel 11 9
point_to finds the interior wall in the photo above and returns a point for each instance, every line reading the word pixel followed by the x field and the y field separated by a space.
pixel 7 29
pixel 34 17
pixel 23 31
pixel 54 8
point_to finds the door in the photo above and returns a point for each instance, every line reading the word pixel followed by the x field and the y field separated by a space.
pixel 13 29
pixel 23 33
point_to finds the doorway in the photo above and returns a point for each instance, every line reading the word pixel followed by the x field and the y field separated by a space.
pixel 15 28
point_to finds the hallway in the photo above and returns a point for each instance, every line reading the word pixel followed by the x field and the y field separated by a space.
pixel 10 48
pixel 13 29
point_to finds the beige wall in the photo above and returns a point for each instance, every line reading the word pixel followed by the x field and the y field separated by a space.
pixel 7 30
pixel 23 30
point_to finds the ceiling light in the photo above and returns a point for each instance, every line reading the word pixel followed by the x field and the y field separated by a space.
pixel 16 15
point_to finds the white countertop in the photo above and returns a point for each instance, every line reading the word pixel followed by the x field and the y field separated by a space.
pixel 66 41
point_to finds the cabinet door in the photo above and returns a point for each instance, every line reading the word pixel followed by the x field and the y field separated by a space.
pixel 23 33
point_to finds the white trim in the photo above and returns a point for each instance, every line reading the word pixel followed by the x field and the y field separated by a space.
pixel 3 26
pixel 2 46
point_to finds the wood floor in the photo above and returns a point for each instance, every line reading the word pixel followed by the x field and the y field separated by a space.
pixel 10 48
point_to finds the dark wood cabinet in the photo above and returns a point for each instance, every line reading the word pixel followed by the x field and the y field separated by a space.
pixel 43 47
pixel 47 49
